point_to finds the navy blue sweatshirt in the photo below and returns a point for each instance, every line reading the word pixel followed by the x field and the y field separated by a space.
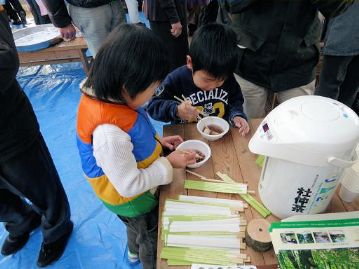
pixel 225 101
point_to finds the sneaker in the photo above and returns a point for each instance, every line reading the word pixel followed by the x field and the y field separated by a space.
pixel 132 257
pixel 13 244
pixel 51 252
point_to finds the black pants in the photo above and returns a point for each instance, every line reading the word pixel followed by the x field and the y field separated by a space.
pixel 32 175
pixel 36 13
pixel 339 79
pixel 13 8
pixel 177 46
pixel 142 237
pixel 208 14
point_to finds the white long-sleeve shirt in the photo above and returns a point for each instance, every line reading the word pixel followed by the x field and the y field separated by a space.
pixel 113 153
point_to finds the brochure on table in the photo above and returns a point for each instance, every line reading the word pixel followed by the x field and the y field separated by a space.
pixel 317 241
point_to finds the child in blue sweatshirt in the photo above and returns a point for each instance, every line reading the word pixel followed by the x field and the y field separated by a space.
pixel 206 82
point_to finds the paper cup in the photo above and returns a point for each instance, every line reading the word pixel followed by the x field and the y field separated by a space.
pixel 347 195
pixel 349 190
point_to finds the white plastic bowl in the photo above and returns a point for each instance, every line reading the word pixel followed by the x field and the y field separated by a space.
pixel 215 121
pixel 196 145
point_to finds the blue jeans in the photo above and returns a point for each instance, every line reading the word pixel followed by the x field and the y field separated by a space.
pixel 96 23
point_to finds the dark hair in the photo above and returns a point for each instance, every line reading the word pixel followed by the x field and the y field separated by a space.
pixel 214 50
pixel 132 57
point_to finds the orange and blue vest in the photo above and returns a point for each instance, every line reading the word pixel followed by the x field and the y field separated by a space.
pixel 146 149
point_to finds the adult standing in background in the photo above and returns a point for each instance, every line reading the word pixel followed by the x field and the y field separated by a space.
pixel 15 11
pixel 94 18
pixel 26 167
pixel 339 78
pixel 38 11
pixel 132 8
pixel 194 8
pixel 168 20
pixel 278 47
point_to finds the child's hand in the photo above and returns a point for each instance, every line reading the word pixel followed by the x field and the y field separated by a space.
pixel 186 111
pixel 180 159
pixel 241 124
pixel 171 142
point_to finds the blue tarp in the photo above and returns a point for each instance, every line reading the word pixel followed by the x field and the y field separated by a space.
pixel 99 238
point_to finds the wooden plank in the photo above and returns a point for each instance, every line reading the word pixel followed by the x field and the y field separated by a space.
pixel 69 60
pixel 231 155
pixel 169 191
pixel 268 266
pixel 251 174
pixel 86 63
pixel 226 160
pixel 46 56
pixel 71 51
pixel 78 43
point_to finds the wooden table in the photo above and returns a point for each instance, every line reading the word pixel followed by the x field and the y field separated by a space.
pixel 64 52
pixel 231 156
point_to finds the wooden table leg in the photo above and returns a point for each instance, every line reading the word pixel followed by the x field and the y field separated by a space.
pixel 85 63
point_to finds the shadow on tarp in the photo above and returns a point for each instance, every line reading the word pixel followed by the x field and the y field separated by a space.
pixel 99 237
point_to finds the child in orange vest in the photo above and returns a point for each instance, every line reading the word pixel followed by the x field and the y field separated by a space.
pixel 121 153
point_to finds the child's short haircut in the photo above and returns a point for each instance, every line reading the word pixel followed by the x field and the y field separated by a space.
pixel 214 50
pixel 132 57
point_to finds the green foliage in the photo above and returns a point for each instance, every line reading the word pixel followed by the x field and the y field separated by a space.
pixel 319 259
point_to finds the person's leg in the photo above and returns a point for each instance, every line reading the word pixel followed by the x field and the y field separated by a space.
pixel 332 76
pixel 132 232
pixel 144 231
pixel 45 19
pixel 36 13
pixel 180 47
pixel 34 9
pixel 350 87
pixel 19 10
pixel 94 23
pixel 356 104
pixel 16 214
pixel 177 47
pixel 33 175
pixel 11 12
pixel 133 247
pixel 117 14
pixel 19 219
pixel 307 89
pixel 132 7
pixel 16 5
pixel 255 98
pixel 208 13
pixel 192 18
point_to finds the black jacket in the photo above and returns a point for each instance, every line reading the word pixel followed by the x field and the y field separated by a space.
pixel 281 39
pixel 18 124
pixel 58 11
pixel 166 10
